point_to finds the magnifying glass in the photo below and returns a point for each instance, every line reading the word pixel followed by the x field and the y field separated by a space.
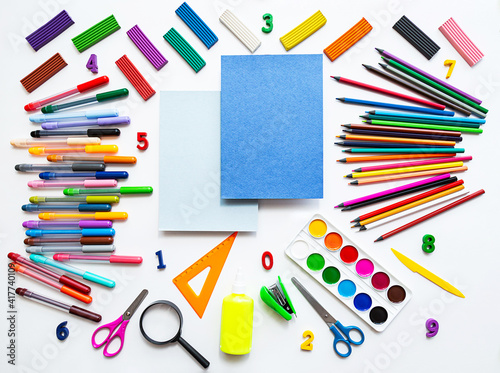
pixel 161 323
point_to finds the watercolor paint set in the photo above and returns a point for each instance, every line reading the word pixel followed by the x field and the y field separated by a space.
pixel 347 272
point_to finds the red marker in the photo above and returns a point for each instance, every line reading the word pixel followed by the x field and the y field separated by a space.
pixel 80 88
pixel 105 258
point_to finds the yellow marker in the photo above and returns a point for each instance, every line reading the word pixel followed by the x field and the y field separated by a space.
pixel 414 267
pixel 411 205
pixel 451 64
pixel 402 170
pixel 307 344
pixel 303 31
pixel 95 215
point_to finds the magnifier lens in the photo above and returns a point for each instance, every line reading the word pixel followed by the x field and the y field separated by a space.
pixel 161 323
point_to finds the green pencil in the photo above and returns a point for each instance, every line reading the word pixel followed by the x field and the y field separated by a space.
pixel 419 120
pixel 405 150
pixel 422 125
pixel 432 83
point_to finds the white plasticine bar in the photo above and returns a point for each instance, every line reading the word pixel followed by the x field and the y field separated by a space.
pixel 239 30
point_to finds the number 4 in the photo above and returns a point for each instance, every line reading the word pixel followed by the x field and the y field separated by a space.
pixel 141 137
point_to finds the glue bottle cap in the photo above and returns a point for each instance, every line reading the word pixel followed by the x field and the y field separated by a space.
pixel 239 284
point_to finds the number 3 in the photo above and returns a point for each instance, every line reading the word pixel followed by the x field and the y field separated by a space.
pixel 141 137
pixel 307 344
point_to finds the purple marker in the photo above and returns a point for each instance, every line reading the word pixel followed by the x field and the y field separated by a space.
pixel 85 123
pixel 393 190
pixel 43 224
pixel 427 75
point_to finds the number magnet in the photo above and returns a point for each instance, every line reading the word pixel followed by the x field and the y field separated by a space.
pixel 269 22
pixel 307 344
pixel 266 266
pixel 161 265
pixel 428 243
pixel 92 64
pixel 432 326
pixel 61 331
pixel 141 137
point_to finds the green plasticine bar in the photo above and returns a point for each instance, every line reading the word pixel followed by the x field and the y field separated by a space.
pixel 426 126
pixel 432 83
pixel 122 190
pixel 184 49
pixel 96 33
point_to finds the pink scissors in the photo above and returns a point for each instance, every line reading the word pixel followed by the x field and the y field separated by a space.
pixel 120 333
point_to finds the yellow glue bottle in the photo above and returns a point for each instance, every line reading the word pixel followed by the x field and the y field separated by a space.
pixel 237 320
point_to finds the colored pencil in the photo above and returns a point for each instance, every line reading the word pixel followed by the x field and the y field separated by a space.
pixel 402 135
pixel 402 129
pixel 405 201
pixel 417 210
pixel 418 120
pixel 435 85
pixel 423 125
pixel 409 175
pixel 391 157
pixel 414 68
pixel 404 150
pixel 387 105
pixel 414 163
pixel 397 140
pixel 425 116
pixel 402 170
pixel 412 86
pixel 380 144
pixel 393 190
pixel 410 205
pixel 430 215
pixel 388 92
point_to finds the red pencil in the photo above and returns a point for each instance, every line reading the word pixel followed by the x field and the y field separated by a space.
pixel 405 201
pixel 430 215
pixel 389 93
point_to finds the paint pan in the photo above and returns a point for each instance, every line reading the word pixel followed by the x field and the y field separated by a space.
pixel 345 270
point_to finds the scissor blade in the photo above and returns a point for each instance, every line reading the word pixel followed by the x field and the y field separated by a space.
pixel 135 304
pixel 314 303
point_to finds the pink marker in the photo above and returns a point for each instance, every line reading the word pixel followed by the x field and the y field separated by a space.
pixel 105 258
pixel 80 88
pixel 411 164
pixel 90 183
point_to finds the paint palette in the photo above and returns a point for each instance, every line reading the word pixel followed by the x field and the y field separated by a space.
pixel 347 272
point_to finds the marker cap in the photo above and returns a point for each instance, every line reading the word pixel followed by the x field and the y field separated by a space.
pixel 101 149
pixel 85 314
pixel 98 232
pixel 111 216
pixel 102 199
pixel 92 84
pixel 76 294
pixel 119 159
pixel 98 279
pixel 111 95
pixel 103 132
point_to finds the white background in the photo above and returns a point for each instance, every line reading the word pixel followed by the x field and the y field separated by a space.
pixel 467 251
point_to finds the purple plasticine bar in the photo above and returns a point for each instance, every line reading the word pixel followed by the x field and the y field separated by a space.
pixel 146 47
pixel 427 75
pixel 48 32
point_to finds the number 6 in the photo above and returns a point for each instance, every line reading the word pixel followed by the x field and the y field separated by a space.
pixel 141 137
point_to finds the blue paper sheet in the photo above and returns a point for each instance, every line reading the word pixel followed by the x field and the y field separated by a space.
pixel 272 126
pixel 190 168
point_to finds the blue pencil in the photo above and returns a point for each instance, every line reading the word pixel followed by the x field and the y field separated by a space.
pixel 423 116
pixel 387 105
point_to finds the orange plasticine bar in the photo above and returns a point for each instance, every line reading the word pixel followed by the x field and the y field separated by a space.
pixel 346 41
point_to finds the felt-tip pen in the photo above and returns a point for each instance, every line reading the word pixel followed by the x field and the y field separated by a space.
pixel 40 241
pixel 26 143
pixel 76 166
pixel 42 224
pixel 89 114
pixel 118 159
pixel 41 150
pixel 99 175
pixel 100 97
pixel 95 215
pixel 122 190
pixel 108 121
pixel 80 207
pixel 83 199
pixel 89 133
pixel 71 249
pixel 91 183
pixel 84 232
pixel 104 258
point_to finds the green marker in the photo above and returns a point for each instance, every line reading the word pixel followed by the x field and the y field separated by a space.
pixel 84 199
pixel 432 83
pixel 122 190
pixel 426 126
pixel 100 97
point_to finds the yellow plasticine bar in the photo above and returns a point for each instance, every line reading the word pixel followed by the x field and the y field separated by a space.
pixel 303 31
pixel 451 64
pixel 347 40
pixel 96 216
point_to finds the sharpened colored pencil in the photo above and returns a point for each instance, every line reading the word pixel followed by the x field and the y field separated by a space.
pixel 402 135
pixel 418 120
pixel 430 215
pixel 402 170
pixel 411 164
pixel 405 150
pixel 391 157
pixel 426 116
pixel 415 109
pixel 409 175
pixel 405 201
pixel 389 145
pixel 412 86
pixel 394 190
pixel 388 92
pixel 422 125
pixel 403 129
pixel 411 204
pixel 397 140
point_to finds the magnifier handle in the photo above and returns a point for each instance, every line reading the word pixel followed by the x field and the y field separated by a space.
pixel 203 362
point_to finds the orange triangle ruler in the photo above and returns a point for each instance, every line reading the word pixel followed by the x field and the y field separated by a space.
pixel 214 259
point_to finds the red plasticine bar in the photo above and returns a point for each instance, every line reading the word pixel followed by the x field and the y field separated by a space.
pixel 461 42
pixel 135 77
pixel 43 72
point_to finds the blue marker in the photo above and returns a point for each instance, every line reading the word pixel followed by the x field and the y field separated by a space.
pixel 84 232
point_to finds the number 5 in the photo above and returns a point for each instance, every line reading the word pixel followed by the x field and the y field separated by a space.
pixel 141 137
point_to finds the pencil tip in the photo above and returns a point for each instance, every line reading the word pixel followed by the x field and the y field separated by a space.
pixel 343 160
pixel 335 77
pixel 341 98
pixel 364 116
pixel 363 228
pixel 340 205
pixel 348 176
pixel 357 224
pixel 379 239
pixel 372 112
pixel 339 143
pixel 355 220
pixel 379 50
pixel 358 170
pixel 355 182
pixel 369 121
pixel 382 64
pixel 366 66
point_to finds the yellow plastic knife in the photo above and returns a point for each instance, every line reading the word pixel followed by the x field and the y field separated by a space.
pixel 414 267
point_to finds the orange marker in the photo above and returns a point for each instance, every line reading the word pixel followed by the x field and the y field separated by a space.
pixel 95 215
pixel 96 158
pixel 41 150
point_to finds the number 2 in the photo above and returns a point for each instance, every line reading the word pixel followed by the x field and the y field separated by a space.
pixel 141 137
pixel 307 344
